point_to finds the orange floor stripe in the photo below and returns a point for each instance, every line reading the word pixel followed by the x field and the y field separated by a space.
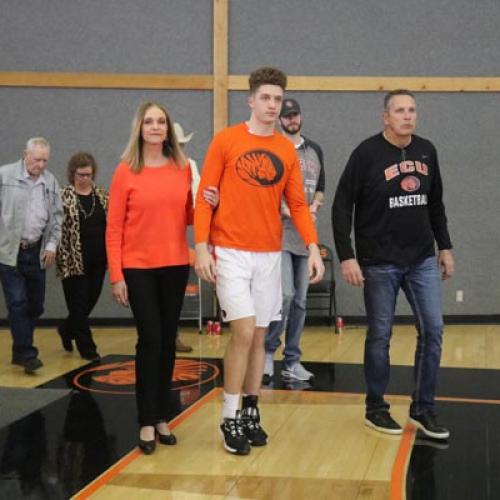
pixel 116 468
pixel 470 400
pixel 398 476
pixel 450 399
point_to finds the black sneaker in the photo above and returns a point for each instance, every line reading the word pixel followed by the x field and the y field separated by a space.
pixel 30 365
pixel 251 426
pixel 234 438
pixel 427 423
pixel 422 440
pixel 383 422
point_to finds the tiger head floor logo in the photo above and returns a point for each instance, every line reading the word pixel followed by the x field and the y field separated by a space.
pixel 119 377
pixel 260 168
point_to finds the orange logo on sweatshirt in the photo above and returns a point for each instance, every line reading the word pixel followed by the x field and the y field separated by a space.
pixel 260 168
pixel 410 183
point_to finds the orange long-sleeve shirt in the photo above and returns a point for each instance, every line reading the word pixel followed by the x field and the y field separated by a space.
pixel 147 218
pixel 252 173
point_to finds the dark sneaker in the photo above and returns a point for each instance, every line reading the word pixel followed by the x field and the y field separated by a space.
pixel 65 339
pixel 422 440
pixel 251 426
pixel 383 422
pixel 30 365
pixel 233 436
pixel 427 423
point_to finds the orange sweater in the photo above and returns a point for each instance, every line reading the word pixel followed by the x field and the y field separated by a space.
pixel 252 173
pixel 147 218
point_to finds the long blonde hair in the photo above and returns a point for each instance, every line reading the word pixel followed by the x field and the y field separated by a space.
pixel 133 154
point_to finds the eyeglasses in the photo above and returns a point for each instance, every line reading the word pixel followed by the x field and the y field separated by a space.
pixel 83 176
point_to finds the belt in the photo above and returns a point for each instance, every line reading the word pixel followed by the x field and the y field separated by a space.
pixel 26 245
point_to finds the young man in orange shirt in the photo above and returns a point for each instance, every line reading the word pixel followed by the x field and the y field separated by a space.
pixel 253 166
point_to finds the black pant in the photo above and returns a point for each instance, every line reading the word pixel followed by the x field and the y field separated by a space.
pixel 155 297
pixel 81 294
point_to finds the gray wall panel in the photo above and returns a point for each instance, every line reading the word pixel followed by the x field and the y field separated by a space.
pixel 97 121
pixel 122 36
pixel 356 37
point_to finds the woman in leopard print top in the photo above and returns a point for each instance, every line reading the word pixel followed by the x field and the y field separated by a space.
pixel 81 256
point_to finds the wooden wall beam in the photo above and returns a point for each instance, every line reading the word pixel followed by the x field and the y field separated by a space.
pixel 221 82
pixel 221 62
pixel 381 83
pixel 105 80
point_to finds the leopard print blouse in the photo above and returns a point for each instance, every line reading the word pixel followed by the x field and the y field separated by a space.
pixel 69 260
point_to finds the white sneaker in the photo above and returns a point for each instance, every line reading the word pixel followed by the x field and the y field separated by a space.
pixel 269 364
pixel 296 372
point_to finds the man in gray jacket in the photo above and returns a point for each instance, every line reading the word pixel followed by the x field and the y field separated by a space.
pixel 30 228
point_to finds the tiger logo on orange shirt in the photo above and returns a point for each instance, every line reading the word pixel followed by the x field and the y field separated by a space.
pixel 260 168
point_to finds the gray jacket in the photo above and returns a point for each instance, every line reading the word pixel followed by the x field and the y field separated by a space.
pixel 14 194
pixel 313 175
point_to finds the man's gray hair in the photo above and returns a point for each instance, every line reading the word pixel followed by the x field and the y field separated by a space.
pixel 392 93
pixel 37 141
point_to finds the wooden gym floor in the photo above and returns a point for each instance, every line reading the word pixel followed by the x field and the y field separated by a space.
pixel 319 447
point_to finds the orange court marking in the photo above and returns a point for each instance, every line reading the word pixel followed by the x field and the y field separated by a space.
pixel 449 399
pixel 116 468
pixel 398 476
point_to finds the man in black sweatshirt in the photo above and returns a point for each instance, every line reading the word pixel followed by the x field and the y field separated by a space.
pixel 392 186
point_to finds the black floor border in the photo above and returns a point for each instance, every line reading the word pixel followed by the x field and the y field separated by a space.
pixel 430 464
pixel 459 319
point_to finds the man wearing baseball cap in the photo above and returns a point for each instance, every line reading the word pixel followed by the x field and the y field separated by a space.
pixel 295 278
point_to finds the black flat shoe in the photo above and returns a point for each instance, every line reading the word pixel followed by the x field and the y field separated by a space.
pixel 168 439
pixel 91 356
pixel 147 447
pixel 65 339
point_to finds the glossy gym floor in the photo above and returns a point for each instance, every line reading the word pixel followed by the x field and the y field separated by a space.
pixel 83 444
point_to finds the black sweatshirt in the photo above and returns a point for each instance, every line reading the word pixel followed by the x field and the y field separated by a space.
pixel 396 195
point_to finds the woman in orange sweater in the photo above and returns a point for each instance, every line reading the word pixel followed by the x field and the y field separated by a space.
pixel 150 207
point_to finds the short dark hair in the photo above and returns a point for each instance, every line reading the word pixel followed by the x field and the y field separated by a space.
pixel 392 93
pixel 266 76
pixel 80 160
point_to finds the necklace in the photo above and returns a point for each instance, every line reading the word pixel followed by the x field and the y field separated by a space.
pixel 82 210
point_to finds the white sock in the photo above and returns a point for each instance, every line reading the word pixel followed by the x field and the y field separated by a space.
pixel 231 405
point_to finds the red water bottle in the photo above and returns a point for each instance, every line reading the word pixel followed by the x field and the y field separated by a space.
pixel 210 326
pixel 216 328
pixel 339 325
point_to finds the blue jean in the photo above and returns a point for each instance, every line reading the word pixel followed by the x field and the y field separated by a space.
pixel 295 281
pixel 24 290
pixel 421 284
